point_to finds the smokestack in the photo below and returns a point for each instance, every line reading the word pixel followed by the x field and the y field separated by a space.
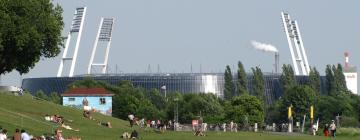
pixel 277 62
pixel 346 59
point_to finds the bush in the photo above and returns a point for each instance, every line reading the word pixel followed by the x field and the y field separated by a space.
pixel 349 122
pixel 350 131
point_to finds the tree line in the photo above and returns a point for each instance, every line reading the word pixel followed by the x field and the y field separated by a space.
pixel 329 101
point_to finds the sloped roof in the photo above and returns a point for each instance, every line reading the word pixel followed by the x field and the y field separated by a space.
pixel 87 92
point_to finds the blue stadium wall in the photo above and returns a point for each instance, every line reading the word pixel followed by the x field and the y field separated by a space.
pixel 183 83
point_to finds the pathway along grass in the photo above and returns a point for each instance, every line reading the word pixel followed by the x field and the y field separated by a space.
pixel 27 113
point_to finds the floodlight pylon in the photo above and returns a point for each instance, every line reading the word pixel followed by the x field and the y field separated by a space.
pixel 295 42
pixel 76 27
pixel 104 35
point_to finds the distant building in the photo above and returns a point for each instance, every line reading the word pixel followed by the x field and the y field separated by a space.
pixel 350 73
pixel 97 99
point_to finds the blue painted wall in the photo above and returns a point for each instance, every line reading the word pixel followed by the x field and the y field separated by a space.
pixel 94 103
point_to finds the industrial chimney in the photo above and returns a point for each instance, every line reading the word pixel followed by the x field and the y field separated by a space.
pixel 277 62
pixel 346 60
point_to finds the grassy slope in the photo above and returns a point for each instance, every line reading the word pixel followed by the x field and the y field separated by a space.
pixel 89 130
pixel 36 109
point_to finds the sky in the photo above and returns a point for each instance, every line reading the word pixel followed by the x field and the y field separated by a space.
pixel 206 34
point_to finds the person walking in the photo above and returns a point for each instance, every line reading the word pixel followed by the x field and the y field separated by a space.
pixel 131 119
pixel 326 130
pixel 224 127
pixel 333 128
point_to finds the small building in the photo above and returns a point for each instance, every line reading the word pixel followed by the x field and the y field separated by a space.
pixel 95 99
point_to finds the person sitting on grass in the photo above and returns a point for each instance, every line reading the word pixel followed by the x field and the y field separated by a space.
pixel 24 135
pixel 106 124
pixel 125 135
pixel 199 132
pixel 17 135
pixel 3 134
pixel 134 135
pixel 87 114
pixel 68 127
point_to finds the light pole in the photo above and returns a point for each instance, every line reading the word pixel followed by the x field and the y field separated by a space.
pixel 164 88
pixel 176 114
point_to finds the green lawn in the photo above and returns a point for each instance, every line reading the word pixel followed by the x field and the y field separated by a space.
pixel 31 118
pixel 231 136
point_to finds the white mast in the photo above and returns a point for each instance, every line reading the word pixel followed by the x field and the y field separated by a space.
pixel 76 27
pixel 103 35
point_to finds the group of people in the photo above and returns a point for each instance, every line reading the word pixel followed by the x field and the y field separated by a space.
pixel 18 135
pixel 232 126
pixel 157 124
pixel 54 118
pixel 59 120
pixel 330 130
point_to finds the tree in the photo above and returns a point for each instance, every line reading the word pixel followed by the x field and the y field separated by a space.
pixel 336 83
pixel 339 79
pixel 242 80
pixel 330 80
pixel 87 82
pixel 29 30
pixel 55 98
pixel 301 98
pixel 287 78
pixel 314 80
pixel 329 107
pixel 41 95
pixel 154 96
pixel 229 87
pixel 245 109
pixel 194 105
pixel 259 84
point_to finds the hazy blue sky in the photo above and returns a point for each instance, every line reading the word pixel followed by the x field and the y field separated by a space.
pixel 210 33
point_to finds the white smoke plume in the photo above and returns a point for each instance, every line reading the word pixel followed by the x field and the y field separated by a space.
pixel 264 47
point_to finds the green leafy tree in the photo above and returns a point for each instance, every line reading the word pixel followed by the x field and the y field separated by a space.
pixel 148 110
pixel 242 80
pixel 328 107
pixel 259 84
pixel 287 78
pixel 192 106
pixel 154 96
pixel 331 86
pixel 301 98
pixel 55 98
pixel 340 79
pixel 229 87
pixel 246 109
pixel 314 80
pixel 126 100
pixel 87 82
pixel 336 83
pixel 40 94
pixel 29 30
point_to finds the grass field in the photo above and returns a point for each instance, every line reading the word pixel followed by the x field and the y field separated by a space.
pixel 28 113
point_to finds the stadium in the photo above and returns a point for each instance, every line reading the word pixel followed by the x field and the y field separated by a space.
pixel 177 82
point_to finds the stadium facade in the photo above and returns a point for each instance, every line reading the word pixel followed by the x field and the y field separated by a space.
pixel 179 82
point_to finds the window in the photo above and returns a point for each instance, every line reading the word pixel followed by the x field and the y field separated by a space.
pixel 102 101
pixel 71 99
